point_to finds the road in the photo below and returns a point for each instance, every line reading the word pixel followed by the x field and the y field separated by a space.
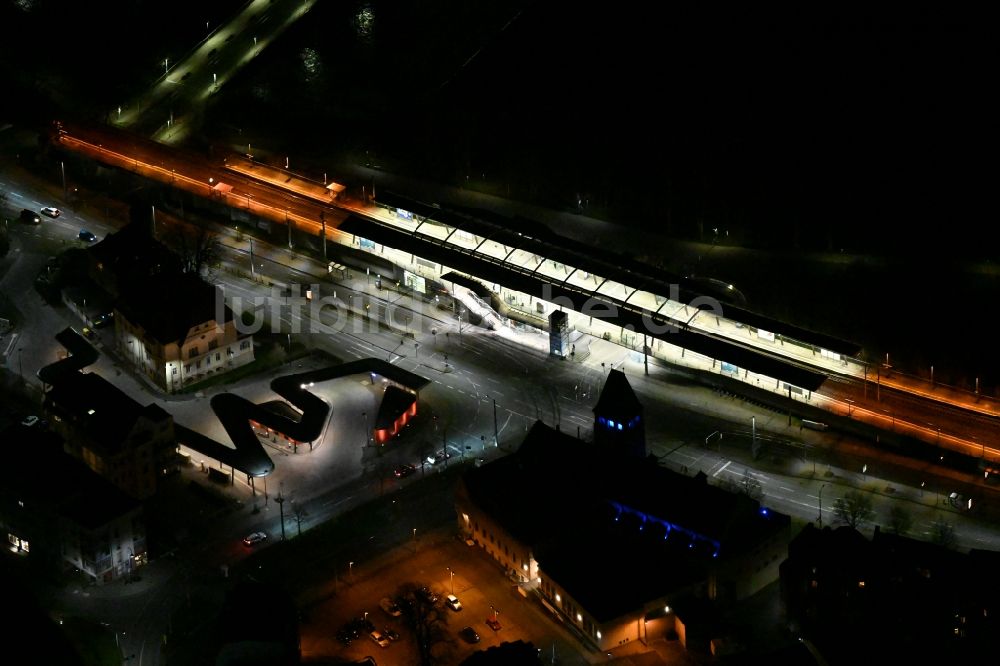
pixel 481 367
pixel 961 423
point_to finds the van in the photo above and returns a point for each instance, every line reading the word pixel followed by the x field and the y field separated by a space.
pixel 814 425
pixel 30 217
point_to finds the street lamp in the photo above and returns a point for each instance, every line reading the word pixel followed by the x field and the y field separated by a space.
pixel 367 431
pixel 820 519
pixel 452 574
pixel 350 570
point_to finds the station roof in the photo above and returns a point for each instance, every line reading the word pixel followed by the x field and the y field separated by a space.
pixel 528 237
pixel 517 278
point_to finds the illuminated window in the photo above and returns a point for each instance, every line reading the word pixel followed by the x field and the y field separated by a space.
pixel 598 635
pixel 558 598
pixel 861 584
pixel 579 618
pixel 619 426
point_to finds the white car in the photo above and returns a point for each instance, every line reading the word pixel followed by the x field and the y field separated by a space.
pixel 253 538
pixel 51 212
pixel 381 639
pixel 452 602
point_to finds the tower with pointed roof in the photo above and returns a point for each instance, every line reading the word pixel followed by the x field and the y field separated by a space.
pixel 619 426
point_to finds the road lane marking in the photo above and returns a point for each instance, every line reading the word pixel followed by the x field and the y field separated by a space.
pixel 723 468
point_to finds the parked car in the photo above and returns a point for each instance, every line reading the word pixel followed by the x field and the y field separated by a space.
pixel 254 538
pixel 428 596
pixel 380 638
pixel 438 457
pixel 51 212
pixel 345 637
pixel 469 635
pixel 86 236
pixel 391 634
pixel 404 470
pixel 452 602
pixel 390 607
pixel 29 420
pixel 103 320
pixel 493 623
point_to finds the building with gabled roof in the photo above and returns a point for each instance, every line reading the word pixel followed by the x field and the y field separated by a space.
pixel 608 541
pixel 58 513
pixel 128 257
pixel 894 597
pixel 127 443
pixel 177 330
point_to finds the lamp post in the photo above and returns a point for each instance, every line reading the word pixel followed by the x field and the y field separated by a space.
pixel 820 519
pixel 281 509
pixel 452 574
pixel 350 570
pixel 322 219
pixel 367 440
pixel 253 271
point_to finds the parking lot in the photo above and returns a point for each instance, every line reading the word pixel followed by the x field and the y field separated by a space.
pixel 429 561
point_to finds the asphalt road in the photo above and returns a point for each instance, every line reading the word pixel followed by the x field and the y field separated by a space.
pixel 525 382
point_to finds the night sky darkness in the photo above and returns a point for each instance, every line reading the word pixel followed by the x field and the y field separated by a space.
pixel 871 133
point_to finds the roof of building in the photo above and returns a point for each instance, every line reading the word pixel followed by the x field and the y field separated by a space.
pixel 535 237
pixel 54 479
pixel 617 397
pixel 104 412
pixel 395 401
pixel 624 568
pixel 675 332
pixel 132 253
pixel 167 307
pixel 81 354
pixel 566 482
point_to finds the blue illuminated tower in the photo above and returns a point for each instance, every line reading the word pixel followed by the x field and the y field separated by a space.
pixel 619 428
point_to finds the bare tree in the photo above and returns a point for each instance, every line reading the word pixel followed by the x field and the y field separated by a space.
pixel 299 513
pixel 900 520
pixel 750 486
pixel 427 620
pixel 854 509
pixel 197 247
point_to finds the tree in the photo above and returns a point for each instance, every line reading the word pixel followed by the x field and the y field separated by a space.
pixel 427 621
pixel 750 486
pixel 300 513
pixel 854 509
pixel 198 248
pixel 900 520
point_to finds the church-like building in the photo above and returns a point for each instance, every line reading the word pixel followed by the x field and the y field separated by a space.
pixel 611 541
